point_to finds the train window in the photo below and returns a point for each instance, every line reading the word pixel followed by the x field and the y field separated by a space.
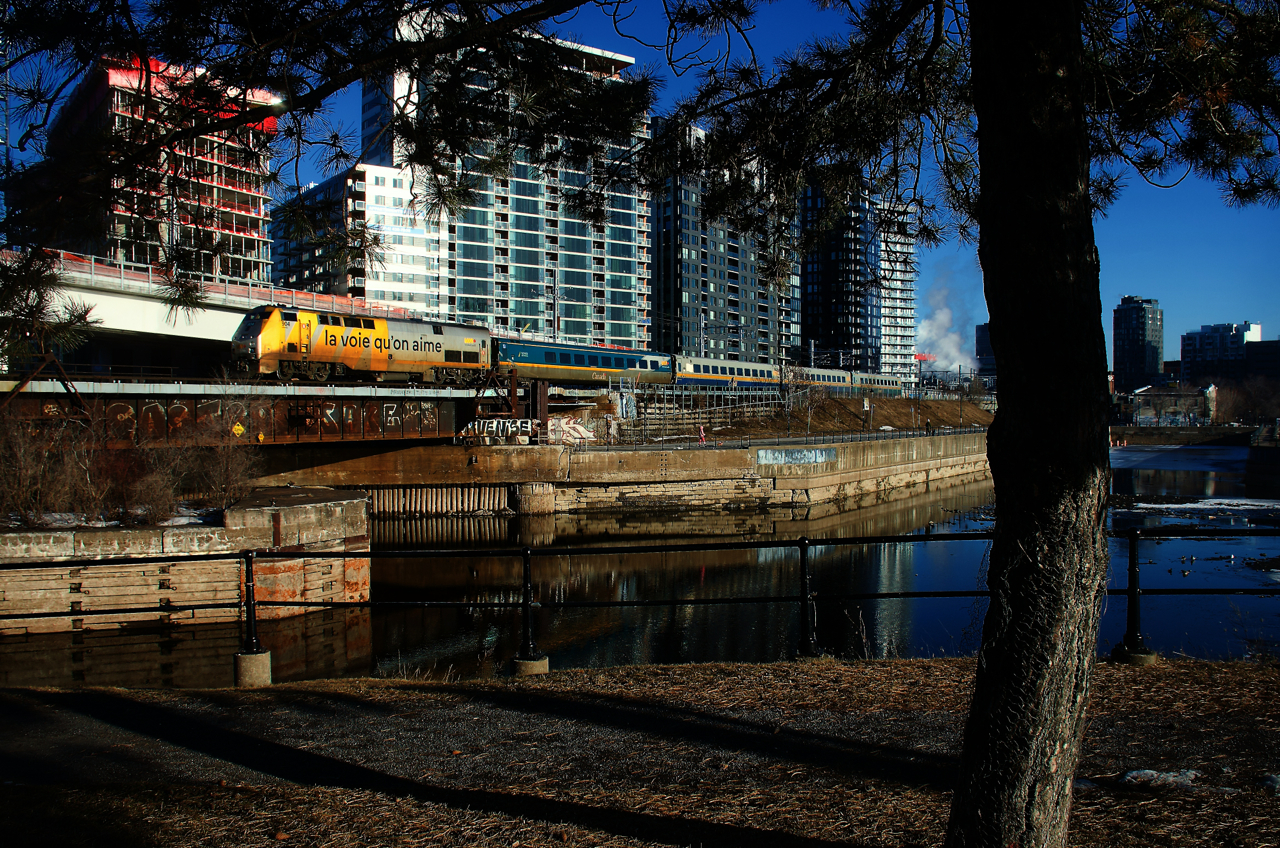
pixel 631 363
pixel 566 359
pixel 579 359
pixel 288 316
pixel 740 373
pixel 549 358
pixel 322 319
pixel 697 369
pixel 655 364
pixel 644 365
pixel 619 362
pixel 368 323
pixel 351 322
pixel 593 361
pixel 436 329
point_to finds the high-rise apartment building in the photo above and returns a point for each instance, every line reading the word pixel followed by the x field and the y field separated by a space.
pixel 1217 351
pixel 403 269
pixel 1137 343
pixel 897 299
pixel 709 299
pixel 198 204
pixel 858 289
pixel 516 257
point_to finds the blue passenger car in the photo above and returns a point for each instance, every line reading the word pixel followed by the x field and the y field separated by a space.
pixel 566 364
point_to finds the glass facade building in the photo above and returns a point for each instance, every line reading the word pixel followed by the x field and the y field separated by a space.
pixel 707 294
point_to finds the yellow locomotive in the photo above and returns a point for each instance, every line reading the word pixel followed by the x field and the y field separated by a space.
pixel 313 345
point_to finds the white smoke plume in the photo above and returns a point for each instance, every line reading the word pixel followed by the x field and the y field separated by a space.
pixel 947 331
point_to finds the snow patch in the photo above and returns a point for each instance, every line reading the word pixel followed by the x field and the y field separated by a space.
pixel 1161 779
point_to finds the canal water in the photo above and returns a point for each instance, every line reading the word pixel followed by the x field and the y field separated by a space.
pixel 1152 487
pixel 1203 486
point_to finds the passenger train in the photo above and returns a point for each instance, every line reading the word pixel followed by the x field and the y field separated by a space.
pixel 296 343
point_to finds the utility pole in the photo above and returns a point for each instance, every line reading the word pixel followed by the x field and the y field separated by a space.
pixel 555 312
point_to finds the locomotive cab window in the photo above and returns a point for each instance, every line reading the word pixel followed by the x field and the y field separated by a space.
pixel 436 329
pixel 288 316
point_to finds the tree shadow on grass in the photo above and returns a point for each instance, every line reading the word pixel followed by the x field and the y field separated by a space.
pixel 310 769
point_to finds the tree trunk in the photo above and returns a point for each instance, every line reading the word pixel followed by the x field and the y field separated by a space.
pixel 1048 444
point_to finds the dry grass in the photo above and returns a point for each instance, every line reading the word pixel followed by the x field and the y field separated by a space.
pixel 696 764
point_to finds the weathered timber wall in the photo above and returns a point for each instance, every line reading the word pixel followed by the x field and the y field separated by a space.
pixel 287 519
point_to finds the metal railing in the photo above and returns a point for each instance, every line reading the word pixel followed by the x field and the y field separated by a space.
pixel 805 598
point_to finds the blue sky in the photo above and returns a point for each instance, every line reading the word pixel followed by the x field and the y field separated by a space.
pixel 1204 262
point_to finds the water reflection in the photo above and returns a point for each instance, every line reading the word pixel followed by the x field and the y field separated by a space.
pixel 1186 471
pixel 480 643
pixel 324 643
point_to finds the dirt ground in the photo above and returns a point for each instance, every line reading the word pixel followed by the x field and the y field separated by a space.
pixel 846 415
pixel 807 753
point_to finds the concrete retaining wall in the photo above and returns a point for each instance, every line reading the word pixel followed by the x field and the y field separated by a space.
pixel 544 480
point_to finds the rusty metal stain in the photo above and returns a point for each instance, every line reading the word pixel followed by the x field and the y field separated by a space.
pixel 373 420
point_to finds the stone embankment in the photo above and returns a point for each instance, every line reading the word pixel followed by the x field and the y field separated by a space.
pixel 544 480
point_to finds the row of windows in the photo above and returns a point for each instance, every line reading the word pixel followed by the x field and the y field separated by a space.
pixel 726 371
pixel 591 360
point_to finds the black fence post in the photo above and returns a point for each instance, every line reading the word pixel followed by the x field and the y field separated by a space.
pixel 528 650
pixel 1133 617
pixel 808 610
pixel 251 643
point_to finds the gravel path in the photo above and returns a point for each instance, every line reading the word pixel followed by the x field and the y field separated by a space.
pixel 785 754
